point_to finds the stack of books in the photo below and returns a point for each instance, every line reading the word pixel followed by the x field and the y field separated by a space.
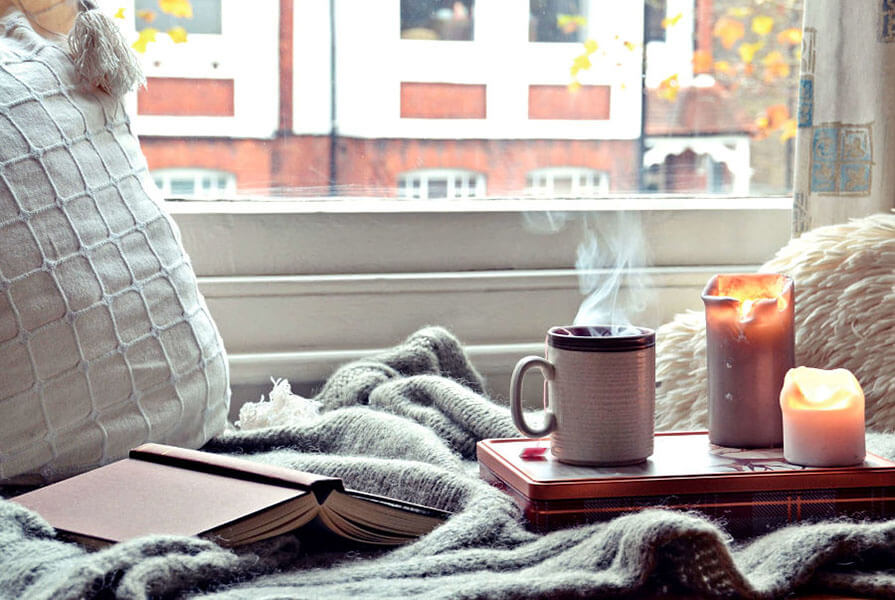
pixel 749 491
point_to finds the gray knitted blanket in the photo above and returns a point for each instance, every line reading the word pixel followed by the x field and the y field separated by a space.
pixel 405 424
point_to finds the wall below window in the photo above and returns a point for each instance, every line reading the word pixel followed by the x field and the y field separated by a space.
pixel 300 288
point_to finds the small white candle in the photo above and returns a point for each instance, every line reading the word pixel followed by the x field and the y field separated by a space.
pixel 823 418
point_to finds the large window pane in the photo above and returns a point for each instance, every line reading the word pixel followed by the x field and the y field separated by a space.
pixel 437 19
pixel 557 21
pixel 348 99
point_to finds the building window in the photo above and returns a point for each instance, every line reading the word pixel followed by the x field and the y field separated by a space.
pixel 194 183
pixel 653 17
pixel 430 184
pixel 567 181
pixel 556 21
pixel 437 19
pixel 206 17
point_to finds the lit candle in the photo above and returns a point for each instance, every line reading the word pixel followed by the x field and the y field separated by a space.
pixel 823 418
pixel 750 346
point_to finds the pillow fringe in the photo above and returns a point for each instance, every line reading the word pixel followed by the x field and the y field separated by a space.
pixel 101 54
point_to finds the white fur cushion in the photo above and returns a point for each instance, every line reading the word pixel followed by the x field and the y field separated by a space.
pixel 105 342
pixel 845 317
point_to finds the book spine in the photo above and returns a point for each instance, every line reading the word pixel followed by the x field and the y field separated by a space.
pixel 239 468
pixel 743 514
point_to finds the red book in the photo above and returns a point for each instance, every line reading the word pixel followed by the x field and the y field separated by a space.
pixel 167 490
pixel 750 491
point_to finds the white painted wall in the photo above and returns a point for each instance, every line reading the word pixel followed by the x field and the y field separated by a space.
pixel 372 61
pixel 311 67
pixel 675 54
pixel 245 51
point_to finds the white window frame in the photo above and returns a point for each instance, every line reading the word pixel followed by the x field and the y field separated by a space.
pixel 541 182
pixel 164 177
pixel 416 184
pixel 300 287
pixel 252 67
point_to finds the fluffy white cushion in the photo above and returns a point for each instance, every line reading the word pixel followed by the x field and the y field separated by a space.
pixel 105 342
pixel 845 293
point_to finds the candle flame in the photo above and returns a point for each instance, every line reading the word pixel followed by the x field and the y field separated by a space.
pixel 749 299
pixel 746 309
pixel 752 292
pixel 805 388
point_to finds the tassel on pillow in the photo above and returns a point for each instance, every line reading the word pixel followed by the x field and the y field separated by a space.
pixel 102 56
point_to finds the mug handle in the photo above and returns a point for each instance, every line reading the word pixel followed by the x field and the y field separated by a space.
pixel 522 367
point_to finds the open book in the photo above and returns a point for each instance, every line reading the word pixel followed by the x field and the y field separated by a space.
pixel 167 490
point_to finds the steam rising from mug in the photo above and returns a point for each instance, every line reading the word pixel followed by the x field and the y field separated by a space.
pixel 611 261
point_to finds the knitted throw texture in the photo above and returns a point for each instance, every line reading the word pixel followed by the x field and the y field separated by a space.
pixel 405 424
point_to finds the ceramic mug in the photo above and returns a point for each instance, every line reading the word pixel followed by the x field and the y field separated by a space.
pixel 600 394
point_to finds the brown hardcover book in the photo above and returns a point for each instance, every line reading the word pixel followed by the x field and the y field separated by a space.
pixel 167 490
pixel 749 491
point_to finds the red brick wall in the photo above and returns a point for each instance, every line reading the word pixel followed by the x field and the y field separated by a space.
pixel 557 102
pixel 504 162
pixel 299 165
pixel 682 173
pixel 285 56
pixel 442 101
pixel 186 97
pixel 289 164
pixel 704 10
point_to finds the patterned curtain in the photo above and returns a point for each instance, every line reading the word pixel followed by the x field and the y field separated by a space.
pixel 845 147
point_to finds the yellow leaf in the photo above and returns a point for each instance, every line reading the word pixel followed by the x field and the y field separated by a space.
pixel 762 24
pixel 590 46
pixel 724 67
pixel 631 46
pixel 177 8
pixel 740 11
pixel 146 15
pixel 119 14
pixel 747 51
pixel 146 35
pixel 777 114
pixel 790 127
pixel 791 36
pixel 570 23
pixel 730 31
pixel 702 61
pixel 670 22
pixel 178 34
pixel 669 88
pixel 775 65
pixel 580 63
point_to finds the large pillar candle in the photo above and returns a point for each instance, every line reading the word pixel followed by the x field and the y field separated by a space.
pixel 823 418
pixel 750 346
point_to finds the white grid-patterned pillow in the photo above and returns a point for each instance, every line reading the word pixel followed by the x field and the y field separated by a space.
pixel 105 341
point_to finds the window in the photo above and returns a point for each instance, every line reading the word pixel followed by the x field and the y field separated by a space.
pixel 434 184
pixel 352 207
pixel 567 181
pixel 342 98
pixel 557 21
pixel 194 183
pixel 206 16
pixel 437 19
pixel 654 20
